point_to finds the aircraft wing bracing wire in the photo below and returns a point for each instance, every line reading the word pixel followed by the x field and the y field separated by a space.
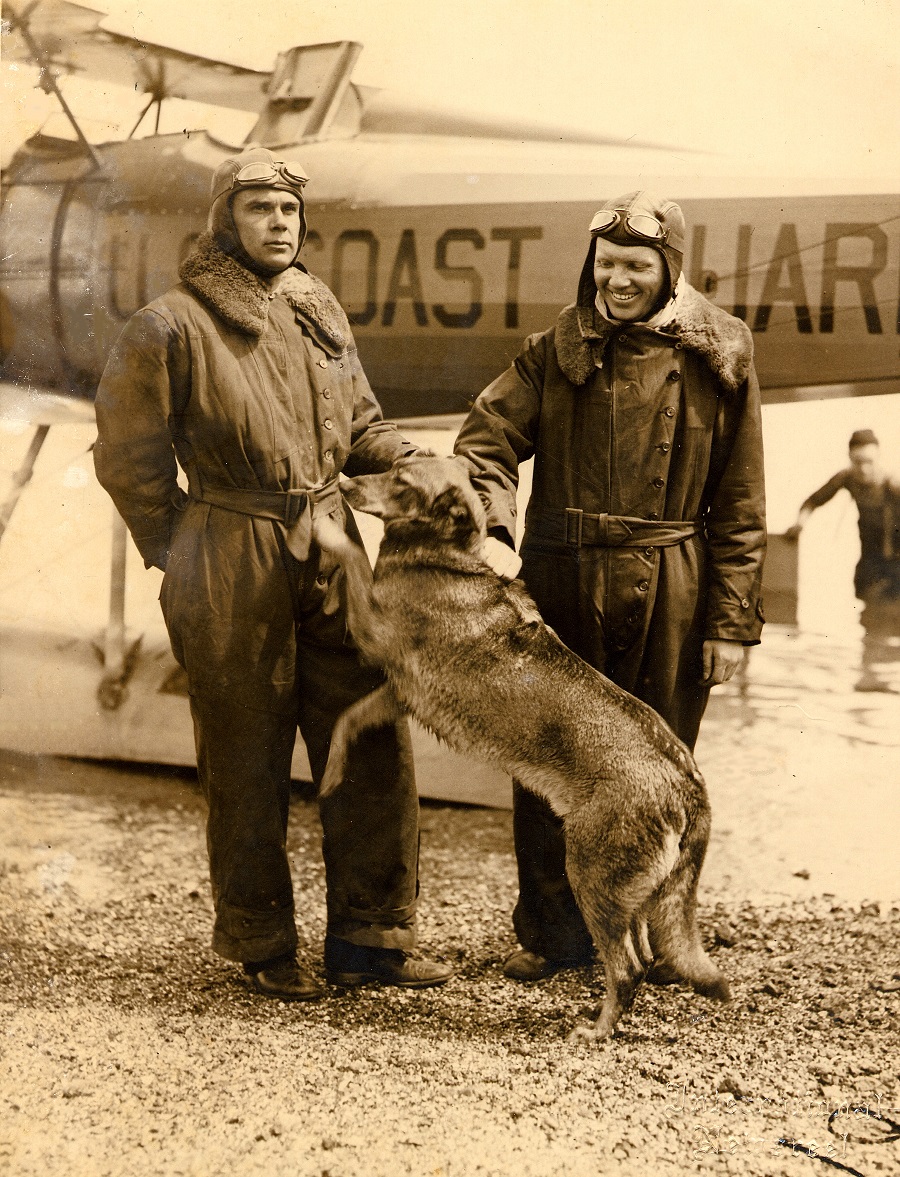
pixel 72 41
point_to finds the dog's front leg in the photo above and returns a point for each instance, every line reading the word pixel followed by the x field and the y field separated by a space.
pixel 379 709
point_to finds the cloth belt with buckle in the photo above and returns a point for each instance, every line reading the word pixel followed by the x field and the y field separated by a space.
pixel 573 526
pixel 294 509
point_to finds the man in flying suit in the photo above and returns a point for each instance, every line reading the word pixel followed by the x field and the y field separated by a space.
pixel 645 532
pixel 246 375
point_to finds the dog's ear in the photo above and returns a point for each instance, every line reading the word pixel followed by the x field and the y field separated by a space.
pixel 467 464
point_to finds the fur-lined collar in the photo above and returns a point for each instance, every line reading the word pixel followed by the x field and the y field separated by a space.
pixel 722 340
pixel 242 299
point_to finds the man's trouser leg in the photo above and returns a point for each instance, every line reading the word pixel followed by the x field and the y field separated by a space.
pixel 244 765
pixel 371 821
pixel 546 917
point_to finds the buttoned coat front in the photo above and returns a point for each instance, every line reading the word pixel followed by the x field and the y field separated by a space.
pixel 635 428
pixel 259 396
pixel 249 392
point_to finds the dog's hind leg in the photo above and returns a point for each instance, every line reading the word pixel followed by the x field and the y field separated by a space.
pixel 619 930
pixel 378 709
pixel 679 950
pixel 674 935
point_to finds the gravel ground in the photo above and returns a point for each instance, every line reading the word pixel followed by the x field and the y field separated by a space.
pixel 128 1048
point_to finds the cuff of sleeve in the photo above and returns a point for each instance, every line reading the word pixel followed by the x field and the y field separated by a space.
pixel 737 621
pixel 154 550
pixel 503 536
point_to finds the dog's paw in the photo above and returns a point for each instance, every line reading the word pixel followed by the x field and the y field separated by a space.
pixel 582 1034
pixel 594 1034
pixel 329 535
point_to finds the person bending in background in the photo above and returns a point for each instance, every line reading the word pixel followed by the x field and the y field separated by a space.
pixel 645 532
pixel 248 373
pixel 876 580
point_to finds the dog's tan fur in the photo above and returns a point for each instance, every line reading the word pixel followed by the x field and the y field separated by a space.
pixel 470 658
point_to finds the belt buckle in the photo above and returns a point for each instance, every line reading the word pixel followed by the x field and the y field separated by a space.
pixel 574 524
pixel 292 499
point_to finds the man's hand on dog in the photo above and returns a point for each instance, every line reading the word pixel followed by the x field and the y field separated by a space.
pixel 720 660
pixel 501 558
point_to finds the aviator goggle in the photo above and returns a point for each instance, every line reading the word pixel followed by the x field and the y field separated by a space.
pixel 265 173
pixel 640 225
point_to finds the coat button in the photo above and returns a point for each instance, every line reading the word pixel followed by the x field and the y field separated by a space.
pixel 674 375
pixel 321 578
pixel 623 339
pixel 745 604
pixel 658 482
pixel 643 585
pixel 648 551
pixel 679 346
pixel 665 447
pixel 327 424
pixel 668 411
pixel 653 515
pixel 329 454
pixel 326 392
pixel 323 364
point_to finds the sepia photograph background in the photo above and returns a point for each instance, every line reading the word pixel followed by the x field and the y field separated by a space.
pixel 802 772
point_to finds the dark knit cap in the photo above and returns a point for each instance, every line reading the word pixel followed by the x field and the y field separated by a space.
pixel 862 437
pixel 640 203
pixel 223 190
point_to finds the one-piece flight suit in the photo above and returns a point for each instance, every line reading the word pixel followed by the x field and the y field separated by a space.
pixel 263 400
pixel 645 531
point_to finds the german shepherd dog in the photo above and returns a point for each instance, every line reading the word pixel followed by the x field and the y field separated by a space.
pixel 468 656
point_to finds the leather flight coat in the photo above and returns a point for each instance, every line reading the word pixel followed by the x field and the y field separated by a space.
pixel 264 401
pixel 645 531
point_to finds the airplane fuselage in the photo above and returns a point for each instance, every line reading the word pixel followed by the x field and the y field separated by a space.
pixel 446 255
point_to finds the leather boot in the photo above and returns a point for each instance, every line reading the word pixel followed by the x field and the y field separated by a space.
pixel 284 978
pixel 349 965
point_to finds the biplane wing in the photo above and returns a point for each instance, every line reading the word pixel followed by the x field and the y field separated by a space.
pixel 74 41
pixel 70 38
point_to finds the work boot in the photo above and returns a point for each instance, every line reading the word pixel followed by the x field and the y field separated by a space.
pixel 284 978
pixel 523 965
pixel 349 965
